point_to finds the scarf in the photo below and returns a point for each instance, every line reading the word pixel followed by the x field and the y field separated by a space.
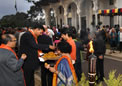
pixel 71 67
pixel 31 31
pixel 10 49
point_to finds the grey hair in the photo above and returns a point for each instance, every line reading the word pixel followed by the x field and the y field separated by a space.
pixel 6 38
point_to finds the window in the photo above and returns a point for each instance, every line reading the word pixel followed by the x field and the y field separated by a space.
pixel 111 2
pixel 69 9
pixel 60 10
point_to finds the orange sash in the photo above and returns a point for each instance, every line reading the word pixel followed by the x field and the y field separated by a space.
pixel 71 67
pixel 31 31
pixel 10 49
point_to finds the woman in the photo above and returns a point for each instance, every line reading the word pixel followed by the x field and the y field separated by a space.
pixel 120 39
pixel 113 40
pixel 64 73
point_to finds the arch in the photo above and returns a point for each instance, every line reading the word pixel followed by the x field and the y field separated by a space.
pixel 72 15
pixel 60 16
pixel 52 21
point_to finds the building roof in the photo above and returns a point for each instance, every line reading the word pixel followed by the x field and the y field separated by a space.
pixel 47 2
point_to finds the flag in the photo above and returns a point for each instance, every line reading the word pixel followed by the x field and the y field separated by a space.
pixel 15 5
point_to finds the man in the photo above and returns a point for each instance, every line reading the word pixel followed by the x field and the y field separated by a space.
pixel 67 35
pixel 29 45
pixel 79 48
pixel 99 51
pixel 10 65
pixel 46 75
pixel 48 31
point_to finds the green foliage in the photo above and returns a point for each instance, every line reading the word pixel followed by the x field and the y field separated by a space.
pixel 18 20
pixel 113 81
pixel 84 81
pixel 99 84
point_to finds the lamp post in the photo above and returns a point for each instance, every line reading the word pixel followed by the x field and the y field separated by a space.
pixel 92 65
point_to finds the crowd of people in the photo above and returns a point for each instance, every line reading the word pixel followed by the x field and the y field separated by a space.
pixel 21 47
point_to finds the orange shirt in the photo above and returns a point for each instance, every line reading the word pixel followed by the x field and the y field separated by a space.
pixel 73 52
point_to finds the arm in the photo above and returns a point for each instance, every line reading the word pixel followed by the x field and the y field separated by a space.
pixel 13 63
pixel 31 42
pixel 81 46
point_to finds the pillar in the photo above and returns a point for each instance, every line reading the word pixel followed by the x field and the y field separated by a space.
pixel 95 9
pixel 65 16
pixel 47 18
pixel 79 17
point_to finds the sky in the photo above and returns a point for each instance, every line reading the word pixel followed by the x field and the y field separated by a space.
pixel 7 7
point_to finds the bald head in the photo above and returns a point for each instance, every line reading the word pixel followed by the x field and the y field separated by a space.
pixel 7 37
pixel 45 27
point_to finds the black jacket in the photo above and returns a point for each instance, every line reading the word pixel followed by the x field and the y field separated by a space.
pixel 44 39
pixel 79 48
pixel 30 47
pixel 99 46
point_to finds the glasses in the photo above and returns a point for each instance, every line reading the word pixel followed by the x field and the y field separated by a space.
pixel 13 40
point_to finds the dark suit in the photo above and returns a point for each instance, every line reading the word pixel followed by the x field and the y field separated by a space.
pixel 29 46
pixel 77 65
pixel 99 49
pixel 46 75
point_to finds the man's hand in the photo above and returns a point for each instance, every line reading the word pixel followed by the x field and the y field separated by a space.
pixel 47 66
pixel 24 56
pixel 101 57
pixel 52 69
pixel 52 47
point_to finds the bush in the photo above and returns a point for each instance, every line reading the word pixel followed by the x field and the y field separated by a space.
pixel 111 81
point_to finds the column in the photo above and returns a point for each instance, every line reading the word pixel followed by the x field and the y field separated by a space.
pixel 65 16
pixel 56 19
pixel 95 9
pixel 47 18
pixel 79 17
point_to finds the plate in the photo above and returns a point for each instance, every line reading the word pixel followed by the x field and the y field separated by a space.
pixel 41 59
pixel 41 54
pixel 51 58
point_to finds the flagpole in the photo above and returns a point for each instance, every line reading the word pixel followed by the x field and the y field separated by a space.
pixel 16 6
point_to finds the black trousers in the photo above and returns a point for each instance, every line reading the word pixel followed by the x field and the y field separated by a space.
pixel 78 70
pixel 29 77
pixel 120 46
pixel 46 76
pixel 100 68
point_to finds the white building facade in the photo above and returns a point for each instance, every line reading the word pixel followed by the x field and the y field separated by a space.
pixel 82 14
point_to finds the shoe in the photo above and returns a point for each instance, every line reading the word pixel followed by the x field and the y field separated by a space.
pixel 102 80
pixel 114 52
pixel 98 81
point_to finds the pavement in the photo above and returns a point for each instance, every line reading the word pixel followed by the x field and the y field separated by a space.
pixel 116 55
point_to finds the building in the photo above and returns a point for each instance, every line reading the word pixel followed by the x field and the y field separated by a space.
pixel 81 13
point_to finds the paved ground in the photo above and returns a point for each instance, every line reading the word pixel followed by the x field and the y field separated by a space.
pixel 109 65
pixel 111 62
pixel 117 54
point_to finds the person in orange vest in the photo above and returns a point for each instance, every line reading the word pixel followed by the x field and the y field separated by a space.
pixel 30 46
pixel 10 65
pixel 67 36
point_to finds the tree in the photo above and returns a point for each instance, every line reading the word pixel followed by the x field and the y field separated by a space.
pixel 18 20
